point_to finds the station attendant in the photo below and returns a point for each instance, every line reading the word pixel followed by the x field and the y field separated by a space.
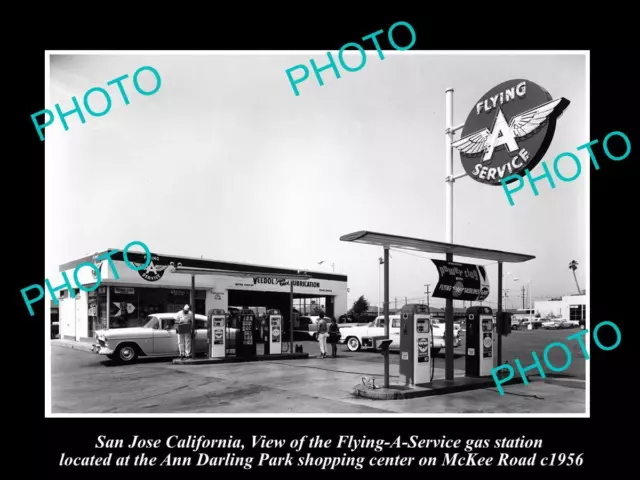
pixel 184 339
pixel 322 335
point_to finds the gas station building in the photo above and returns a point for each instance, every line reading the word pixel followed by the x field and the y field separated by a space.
pixel 159 288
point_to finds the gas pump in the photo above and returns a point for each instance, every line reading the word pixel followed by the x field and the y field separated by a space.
pixel 273 345
pixel 416 337
pixel 247 333
pixel 216 333
pixel 479 360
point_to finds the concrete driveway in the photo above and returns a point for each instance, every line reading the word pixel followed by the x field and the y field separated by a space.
pixel 85 383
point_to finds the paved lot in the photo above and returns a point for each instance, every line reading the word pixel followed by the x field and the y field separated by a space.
pixel 85 383
pixel 520 345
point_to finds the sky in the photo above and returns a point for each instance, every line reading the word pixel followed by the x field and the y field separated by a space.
pixel 225 162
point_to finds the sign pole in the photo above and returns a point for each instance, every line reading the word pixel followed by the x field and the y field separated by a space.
pixel 386 313
pixel 449 163
pixel 448 321
pixel 448 332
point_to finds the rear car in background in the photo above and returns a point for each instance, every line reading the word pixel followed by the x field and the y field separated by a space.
pixel 359 337
pixel 567 323
pixel 348 321
pixel 516 323
pixel 549 324
pixel 558 324
pixel 307 326
pixel 535 323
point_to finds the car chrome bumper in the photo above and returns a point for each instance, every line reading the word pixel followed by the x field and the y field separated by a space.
pixel 100 350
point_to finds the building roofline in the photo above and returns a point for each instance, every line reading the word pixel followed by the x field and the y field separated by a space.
pixel 205 263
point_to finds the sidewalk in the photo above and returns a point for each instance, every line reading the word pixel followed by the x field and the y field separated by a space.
pixel 83 345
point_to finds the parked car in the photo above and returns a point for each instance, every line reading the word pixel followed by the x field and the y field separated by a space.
pixel 156 338
pixel 308 324
pixel 535 323
pixel 567 323
pixel 357 337
pixel 351 321
pixel 550 324
pixel 516 323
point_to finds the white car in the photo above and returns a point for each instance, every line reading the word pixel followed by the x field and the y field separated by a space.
pixel 551 325
pixel 310 324
pixel 357 337
pixel 157 338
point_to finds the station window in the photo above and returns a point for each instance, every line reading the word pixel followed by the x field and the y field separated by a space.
pixel 577 312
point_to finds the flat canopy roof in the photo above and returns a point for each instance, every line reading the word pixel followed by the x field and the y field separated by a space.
pixel 430 246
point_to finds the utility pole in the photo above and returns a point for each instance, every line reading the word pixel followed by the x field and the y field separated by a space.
pixel 506 291
pixel 523 290
pixel 427 292
pixel 395 299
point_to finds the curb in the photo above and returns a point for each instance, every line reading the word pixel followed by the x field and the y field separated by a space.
pixel 576 383
pixel 81 346
pixel 438 387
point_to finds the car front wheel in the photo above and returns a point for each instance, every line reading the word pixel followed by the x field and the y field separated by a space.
pixel 126 353
pixel 353 344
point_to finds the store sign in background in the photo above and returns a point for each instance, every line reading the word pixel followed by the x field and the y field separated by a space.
pixel 461 281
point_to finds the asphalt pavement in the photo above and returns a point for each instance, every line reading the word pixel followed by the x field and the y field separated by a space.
pixel 83 382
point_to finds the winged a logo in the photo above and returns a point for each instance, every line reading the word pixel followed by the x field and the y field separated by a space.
pixel 520 126
pixel 153 272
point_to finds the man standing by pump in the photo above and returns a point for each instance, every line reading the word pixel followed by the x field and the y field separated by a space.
pixel 323 333
pixel 184 329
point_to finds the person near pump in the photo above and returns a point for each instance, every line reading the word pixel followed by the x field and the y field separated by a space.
pixel 322 335
pixel 334 336
pixel 184 339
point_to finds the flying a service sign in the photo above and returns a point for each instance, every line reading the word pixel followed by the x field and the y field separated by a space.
pixel 461 281
pixel 508 131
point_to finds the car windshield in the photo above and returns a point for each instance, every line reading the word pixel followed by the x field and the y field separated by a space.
pixel 151 322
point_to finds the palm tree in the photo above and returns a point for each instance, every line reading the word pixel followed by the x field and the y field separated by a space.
pixel 573 265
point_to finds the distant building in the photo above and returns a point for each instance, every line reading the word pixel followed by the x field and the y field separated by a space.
pixel 571 307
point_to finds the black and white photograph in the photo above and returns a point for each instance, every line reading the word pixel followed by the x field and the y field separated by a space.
pixel 381 233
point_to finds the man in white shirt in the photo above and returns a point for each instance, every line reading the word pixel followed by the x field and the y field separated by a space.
pixel 184 339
